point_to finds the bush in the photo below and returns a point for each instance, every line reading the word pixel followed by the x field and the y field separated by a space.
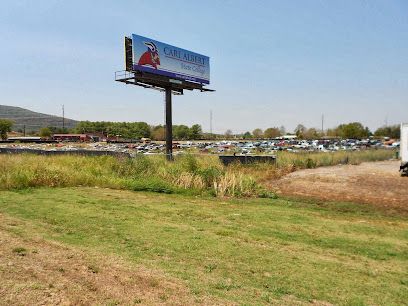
pixel 150 184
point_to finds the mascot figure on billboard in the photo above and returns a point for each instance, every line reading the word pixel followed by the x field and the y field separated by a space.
pixel 151 56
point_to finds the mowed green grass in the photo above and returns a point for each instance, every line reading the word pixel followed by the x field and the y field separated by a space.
pixel 247 251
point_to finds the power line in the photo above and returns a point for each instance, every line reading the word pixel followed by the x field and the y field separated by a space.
pixel 322 124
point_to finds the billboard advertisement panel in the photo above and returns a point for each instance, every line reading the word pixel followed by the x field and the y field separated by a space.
pixel 153 56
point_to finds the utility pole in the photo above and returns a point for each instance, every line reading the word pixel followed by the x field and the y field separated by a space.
pixel 24 130
pixel 322 124
pixel 63 118
pixel 211 127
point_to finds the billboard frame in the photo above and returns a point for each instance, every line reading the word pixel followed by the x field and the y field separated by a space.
pixel 166 84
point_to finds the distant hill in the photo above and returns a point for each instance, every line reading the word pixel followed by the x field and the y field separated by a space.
pixel 33 121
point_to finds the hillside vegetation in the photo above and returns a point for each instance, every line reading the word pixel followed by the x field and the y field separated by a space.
pixel 33 121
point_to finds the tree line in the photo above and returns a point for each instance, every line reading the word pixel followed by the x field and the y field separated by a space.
pixel 137 130
pixel 353 130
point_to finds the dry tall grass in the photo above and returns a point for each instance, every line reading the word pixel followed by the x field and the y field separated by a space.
pixel 153 173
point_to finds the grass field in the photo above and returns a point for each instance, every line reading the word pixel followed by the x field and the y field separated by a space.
pixel 187 174
pixel 244 251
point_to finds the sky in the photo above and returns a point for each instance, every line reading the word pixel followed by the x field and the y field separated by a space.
pixel 273 63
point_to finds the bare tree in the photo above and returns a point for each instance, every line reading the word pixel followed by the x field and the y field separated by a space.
pixel 228 134
pixel 272 132
pixel 257 133
pixel 282 130
pixel 300 130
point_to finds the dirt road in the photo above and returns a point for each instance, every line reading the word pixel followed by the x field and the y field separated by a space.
pixel 377 183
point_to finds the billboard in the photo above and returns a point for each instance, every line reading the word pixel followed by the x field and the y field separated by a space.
pixel 153 56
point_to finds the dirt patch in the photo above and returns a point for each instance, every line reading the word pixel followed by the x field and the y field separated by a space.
pixel 377 183
pixel 38 272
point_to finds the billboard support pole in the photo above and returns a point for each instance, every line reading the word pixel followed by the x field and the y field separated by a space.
pixel 169 126
pixel 142 58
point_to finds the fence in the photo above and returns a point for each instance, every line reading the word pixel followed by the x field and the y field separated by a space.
pixel 247 159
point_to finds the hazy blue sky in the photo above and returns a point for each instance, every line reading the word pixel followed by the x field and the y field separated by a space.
pixel 272 62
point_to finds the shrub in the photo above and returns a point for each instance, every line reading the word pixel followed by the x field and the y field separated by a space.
pixel 150 184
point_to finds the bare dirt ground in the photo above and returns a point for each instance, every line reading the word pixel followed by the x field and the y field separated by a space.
pixel 376 183
pixel 38 272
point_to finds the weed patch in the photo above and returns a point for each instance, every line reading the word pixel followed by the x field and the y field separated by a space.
pixel 20 251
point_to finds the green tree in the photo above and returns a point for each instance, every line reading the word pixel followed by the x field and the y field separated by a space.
pixel 88 127
pixel 59 130
pixel 45 132
pixel 5 127
pixel 196 132
pixel 392 131
pixel 353 130
pixel 129 130
pixel 114 131
pixel 137 129
pixel 247 135
pixel 181 132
